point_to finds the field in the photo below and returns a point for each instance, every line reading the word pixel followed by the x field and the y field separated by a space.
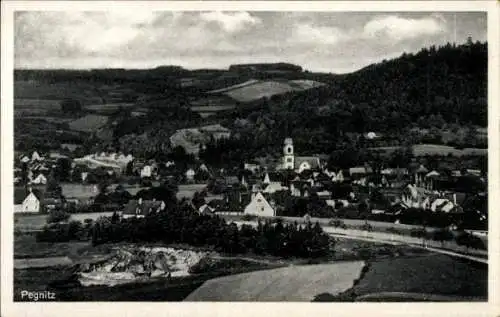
pixel 107 108
pixel 31 89
pixel 294 283
pixel 434 149
pixel 428 274
pixel 35 222
pixel 88 123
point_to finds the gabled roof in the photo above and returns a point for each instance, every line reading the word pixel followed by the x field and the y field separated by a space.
pixel 20 194
pixel 422 169
pixel 144 208
pixel 312 160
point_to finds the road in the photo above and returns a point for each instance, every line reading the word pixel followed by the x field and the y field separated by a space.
pixel 382 237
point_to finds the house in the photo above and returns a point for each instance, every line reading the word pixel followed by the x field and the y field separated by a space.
pixel 206 209
pixel 274 187
pixel 259 206
pixel 40 179
pixel 231 180
pixel 415 197
pixel 146 171
pixel 254 168
pixel 25 159
pixel 140 208
pixel 444 205
pixel 359 171
pixel 36 157
pixel 190 175
pixel 324 194
pixel 26 201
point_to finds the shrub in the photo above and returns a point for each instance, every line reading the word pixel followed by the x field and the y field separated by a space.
pixel 58 216
pixel 366 227
pixel 442 235
pixel 418 233
pixel 248 217
pixel 470 241
pixel 393 230
pixel 336 223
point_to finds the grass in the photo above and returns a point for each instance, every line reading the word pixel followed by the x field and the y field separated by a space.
pixel 428 274
pixel 88 123
pixel 32 89
pixel 293 283
pixel 25 246
pixel 435 149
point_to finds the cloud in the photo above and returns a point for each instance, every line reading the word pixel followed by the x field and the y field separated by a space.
pixel 307 33
pixel 231 21
pixel 397 28
pixel 316 40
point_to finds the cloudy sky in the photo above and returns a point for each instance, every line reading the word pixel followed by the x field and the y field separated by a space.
pixel 337 42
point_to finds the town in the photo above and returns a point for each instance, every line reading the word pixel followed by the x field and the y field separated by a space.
pixel 299 177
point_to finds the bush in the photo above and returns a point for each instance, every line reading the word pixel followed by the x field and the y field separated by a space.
pixel 248 217
pixel 442 235
pixel 470 241
pixel 62 232
pixel 418 233
pixel 337 223
pixel 393 230
pixel 366 227
pixel 58 216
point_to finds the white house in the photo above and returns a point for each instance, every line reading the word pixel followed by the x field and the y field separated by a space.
pixel 259 206
pixel 40 179
pixel 146 171
pixel 190 174
pixel 36 157
pixel 26 203
pixel 274 187
pixel 206 209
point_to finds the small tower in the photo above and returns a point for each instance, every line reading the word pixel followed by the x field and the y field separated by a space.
pixel 288 155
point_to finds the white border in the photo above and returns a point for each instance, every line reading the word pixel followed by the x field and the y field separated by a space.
pixel 492 308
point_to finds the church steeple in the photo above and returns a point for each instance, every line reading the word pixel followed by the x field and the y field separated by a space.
pixel 288 154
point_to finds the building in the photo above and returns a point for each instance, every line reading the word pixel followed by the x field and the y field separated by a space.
pixel 259 206
pixel 140 208
pixel 26 201
pixel 146 171
pixel 190 175
pixel 298 163
pixel 40 179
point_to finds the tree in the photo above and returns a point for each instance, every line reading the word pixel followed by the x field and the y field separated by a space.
pixel 69 105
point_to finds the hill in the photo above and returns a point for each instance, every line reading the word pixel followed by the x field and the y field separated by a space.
pixel 253 89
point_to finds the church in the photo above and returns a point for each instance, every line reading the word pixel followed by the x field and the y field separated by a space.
pixel 298 163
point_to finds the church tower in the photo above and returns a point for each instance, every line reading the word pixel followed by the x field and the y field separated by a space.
pixel 288 155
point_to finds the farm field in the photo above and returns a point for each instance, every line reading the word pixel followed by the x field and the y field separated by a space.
pixel 88 123
pixel 293 283
pixel 32 89
pixel 35 222
pixel 428 274
pixel 107 108
pixel 435 149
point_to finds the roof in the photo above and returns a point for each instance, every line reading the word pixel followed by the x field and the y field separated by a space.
pixel 144 208
pixel 422 169
pixel 288 141
pixel 312 160
pixel 20 194
pixel 358 170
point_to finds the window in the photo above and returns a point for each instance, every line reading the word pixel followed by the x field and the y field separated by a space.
pixel 289 150
pixel 262 209
pixel 289 160
pixel 259 200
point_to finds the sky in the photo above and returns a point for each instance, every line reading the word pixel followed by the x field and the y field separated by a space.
pixel 335 42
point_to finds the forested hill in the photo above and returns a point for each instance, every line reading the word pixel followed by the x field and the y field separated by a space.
pixel 448 81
